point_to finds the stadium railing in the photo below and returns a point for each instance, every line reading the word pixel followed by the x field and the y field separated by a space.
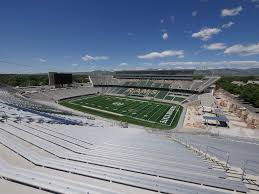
pixel 249 166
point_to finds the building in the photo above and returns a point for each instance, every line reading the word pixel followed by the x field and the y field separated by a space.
pixel 60 79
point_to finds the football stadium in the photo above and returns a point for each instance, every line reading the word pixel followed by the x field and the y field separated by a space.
pixel 129 97
pixel 123 132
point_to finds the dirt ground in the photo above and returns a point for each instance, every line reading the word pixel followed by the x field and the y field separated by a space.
pixel 238 126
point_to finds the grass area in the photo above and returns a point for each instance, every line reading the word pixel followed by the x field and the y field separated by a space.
pixel 140 112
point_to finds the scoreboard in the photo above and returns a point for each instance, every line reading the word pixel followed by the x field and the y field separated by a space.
pixel 60 79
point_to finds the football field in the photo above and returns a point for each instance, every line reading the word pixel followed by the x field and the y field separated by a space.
pixel 137 111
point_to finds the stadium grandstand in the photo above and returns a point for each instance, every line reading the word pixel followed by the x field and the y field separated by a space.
pixel 129 97
pixel 62 139
pixel 168 85
pixel 160 93
pixel 59 153
pixel 173 80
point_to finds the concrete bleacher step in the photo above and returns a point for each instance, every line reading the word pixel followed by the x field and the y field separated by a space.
pixel 82 144
pixel 47 182
pixel 191 178
pixel 111 164
pixel 159 165
pixel 117 176
pixel 113 148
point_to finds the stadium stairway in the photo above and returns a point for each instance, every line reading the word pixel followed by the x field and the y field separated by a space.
pixel 221 159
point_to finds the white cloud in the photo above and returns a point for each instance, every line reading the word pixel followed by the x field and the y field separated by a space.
pixel 40 60
pixel 214 46
pixel 162 21
pixel 209 64
pixel 74 65
pixel 231 12
pixel 123 64
pixel 167 53
pixel 165 36
pixel 96 58
pixel 243 50
pixel 147 64
pixel 130 34
pixel 195 13
pixel 228 25
pixel 206 33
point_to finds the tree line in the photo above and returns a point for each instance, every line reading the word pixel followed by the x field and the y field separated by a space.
pixel 248 92
pixel 24 80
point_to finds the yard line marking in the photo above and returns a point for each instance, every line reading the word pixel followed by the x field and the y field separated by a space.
pixel 147 110
pixel 155 112
pixel 160 116
pixel 148 104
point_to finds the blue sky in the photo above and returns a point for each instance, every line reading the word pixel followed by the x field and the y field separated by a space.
pixel 75 35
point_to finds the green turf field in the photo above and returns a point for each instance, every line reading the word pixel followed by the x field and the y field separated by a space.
pixel 141 112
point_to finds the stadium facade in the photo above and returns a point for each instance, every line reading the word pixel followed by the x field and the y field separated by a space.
pixel 155 74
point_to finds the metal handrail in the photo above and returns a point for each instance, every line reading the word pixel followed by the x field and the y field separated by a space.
pixel 246 168
pixel 207 152
pixel 226 158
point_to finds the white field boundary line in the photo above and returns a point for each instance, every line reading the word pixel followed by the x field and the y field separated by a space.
pixel 117 114
pixel 175 115
pixel 100 110
pixel 144 120
pixel 126 115
pixel 80 99
pixel 163 113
